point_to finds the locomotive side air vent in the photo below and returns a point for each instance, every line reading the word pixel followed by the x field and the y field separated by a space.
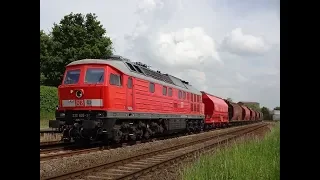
pixel 139 67
pixel 142 64
pixel 185 82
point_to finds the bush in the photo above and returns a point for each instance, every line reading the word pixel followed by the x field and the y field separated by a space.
pixel 48 99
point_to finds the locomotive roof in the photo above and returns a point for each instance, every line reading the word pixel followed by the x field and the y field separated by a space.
pixel 140 71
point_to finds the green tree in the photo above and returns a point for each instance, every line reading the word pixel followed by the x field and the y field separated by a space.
pixel 76 37
pixel 266 113
pixel 45 53
pixel 277 108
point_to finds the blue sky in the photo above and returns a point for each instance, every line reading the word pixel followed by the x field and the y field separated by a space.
pixel 229 48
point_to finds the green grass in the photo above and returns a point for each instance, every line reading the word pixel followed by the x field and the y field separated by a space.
pixel 251 160
pixel 44 119
pixel 48 102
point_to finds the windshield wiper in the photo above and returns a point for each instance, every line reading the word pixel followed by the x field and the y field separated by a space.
pixel 100 79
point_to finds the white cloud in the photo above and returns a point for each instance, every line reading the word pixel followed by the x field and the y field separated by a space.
pixel 186 47
pixel 241 78
pixel 149 5
pixel 226 47
pixel 239 43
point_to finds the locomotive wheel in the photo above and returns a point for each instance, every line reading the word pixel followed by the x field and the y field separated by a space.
pixel 133 137
pixel 147 133
pixel 65 140
pixel 82 142
pixel 117 135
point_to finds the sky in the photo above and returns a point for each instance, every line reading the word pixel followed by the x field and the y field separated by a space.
pixel 229 48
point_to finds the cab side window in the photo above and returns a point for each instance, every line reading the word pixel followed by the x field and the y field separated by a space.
pixel 151 87
pixel 129 82
pixel 164 90
pixel 170 92
pixel 115 79
pixel 180 94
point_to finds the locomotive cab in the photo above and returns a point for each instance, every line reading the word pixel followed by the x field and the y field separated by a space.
pixel 82 105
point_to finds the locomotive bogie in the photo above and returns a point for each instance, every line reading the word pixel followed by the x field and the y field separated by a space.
pixel 127 129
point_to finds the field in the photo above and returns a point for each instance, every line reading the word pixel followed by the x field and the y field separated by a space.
pixel 258 159
pixel 44 119
pixel 48 102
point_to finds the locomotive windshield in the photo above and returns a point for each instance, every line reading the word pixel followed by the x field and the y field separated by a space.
pixel 94 75
pixel 72 76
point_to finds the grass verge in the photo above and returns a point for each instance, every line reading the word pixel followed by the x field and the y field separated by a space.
pixel 44 119
pixel 258 159
pixel 48 102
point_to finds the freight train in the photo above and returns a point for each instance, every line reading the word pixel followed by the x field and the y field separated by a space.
pixel 117 99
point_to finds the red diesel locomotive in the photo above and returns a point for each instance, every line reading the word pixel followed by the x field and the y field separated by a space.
pixel 116 99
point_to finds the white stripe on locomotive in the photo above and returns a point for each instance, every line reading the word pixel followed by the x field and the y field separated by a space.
pixel 87 103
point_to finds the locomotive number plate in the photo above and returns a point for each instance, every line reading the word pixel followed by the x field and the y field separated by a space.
pixel 79 103
pixel 80 115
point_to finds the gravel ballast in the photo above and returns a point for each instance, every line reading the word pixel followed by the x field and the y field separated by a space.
pixel 67 164
pixel 47 137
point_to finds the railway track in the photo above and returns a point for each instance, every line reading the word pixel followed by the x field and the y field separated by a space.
pixel 53 146
pixel 135 166
pixel 51 150
pixel 48 143
pixel 49 130
pixel 60 152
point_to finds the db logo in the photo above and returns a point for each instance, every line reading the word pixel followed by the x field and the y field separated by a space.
pixel 79 103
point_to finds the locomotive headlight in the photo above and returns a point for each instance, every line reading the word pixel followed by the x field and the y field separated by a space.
pixel 79 93
pixel 99 115
pixel 62 114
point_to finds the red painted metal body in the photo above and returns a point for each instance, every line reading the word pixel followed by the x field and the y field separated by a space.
pixel 67 91
pixel 144 101
pixel 245 113
pixel 237 112
pixel 216 109
pixel 252 114
pixel 255 115
pixel 123 99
